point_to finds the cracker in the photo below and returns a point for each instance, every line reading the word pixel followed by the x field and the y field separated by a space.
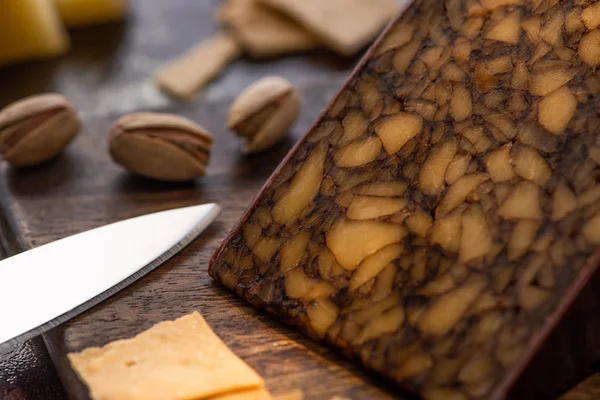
pixel 345 26
pixel 260 394
pixel 263 31
pixel 186 75
pixel 181 359
pixel 253 394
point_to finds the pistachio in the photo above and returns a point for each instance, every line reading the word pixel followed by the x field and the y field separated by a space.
pixel 160 146
pixel 36 128
pixel 264 112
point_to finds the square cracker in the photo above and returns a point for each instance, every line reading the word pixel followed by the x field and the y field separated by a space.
pixel 263 31
pixel 345 26
pixel 181 359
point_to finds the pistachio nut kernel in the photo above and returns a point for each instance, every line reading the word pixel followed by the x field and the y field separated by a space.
pixel 36 128
pixel 160 146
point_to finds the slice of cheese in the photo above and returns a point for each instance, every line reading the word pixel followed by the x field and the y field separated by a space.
pixel 90 12
pixel 176 360
pixel 30 29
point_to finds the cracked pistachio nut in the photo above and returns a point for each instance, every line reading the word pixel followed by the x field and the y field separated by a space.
pixel 160 146
pixel 264 112
pixel 36 128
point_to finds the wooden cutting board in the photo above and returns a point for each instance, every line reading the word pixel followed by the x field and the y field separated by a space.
pixel 105 76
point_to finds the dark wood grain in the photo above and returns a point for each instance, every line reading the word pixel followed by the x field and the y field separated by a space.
pixel 105 76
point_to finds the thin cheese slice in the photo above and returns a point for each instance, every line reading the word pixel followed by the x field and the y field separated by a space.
pixel 175 360
pixel 345 26
pixel 186 75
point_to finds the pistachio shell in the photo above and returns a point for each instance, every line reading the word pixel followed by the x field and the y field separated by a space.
pixel 160 146
pixel 147 120
pixel 264 112
pixel 276 127
pixel 36 129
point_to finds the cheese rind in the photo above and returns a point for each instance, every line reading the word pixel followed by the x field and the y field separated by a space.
pixel 30 29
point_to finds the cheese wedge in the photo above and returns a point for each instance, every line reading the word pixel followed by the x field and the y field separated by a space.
pixel 440 222
pixel 76 13
pixel 30 29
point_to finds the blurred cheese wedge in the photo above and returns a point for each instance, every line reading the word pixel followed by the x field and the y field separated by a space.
pixel 76 13
pixel 30 29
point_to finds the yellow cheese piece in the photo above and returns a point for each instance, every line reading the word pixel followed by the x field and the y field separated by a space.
pixel 176 360
pixel 91 12
pixel 30 29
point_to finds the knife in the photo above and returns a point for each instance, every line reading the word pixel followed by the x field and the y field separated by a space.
pixel 46 286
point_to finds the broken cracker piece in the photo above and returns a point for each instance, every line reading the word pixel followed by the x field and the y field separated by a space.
pixel 186 75
pixel 181 359
pixel 345 26
pixel 262 31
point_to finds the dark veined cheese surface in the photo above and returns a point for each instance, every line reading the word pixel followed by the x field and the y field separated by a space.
pixel 439 221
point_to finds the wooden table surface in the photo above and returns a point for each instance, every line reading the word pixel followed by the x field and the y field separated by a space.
pixel 106 75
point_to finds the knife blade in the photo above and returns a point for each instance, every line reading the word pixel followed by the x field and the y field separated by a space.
pixel 43 287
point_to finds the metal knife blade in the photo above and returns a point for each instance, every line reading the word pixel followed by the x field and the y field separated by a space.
pixel 46 286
